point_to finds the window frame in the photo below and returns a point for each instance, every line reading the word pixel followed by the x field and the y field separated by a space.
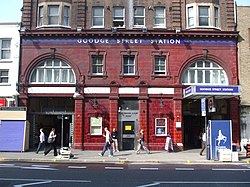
pixel 39 74
pixel 95 122
pixel 195 16
pixel 52 15
pixel 4 76
pixel 129 54
pixel 135 16
pixel 104 72
pixel 160 72
pixel 43 19
pixel 158 17
pixel 118 20
pixel 160 54
pixel 5 49
pixel 98 17
pixel 195 74
pixel 162 127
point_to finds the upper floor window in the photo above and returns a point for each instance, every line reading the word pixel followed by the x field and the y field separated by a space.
pixel 97 64
pixel 160 65
pixel 202 15
pixel 52 72
pixel 5 48
pixel 66 12
pixel 41 15
pixel 118 17
pixel 4 75
pixel 129 65
pixel 53 14
pixel 139 16
pixel 204 72
pixel 159 17
pixel 98 17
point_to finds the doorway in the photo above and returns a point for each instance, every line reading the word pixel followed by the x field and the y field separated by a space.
pixel 128 135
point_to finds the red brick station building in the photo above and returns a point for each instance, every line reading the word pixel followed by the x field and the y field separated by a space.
pixel 80 77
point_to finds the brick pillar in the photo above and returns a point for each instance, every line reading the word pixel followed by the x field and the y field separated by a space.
pixel 78 123
pixel 143 117
pixel 113 115
pixel 23 101
pixel 234 115
pixel 177 109
pixel 143 111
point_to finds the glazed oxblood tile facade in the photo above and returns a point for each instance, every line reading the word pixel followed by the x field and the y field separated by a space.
pixel 92 66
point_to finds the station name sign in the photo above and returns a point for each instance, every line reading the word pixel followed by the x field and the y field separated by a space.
pixel 231 90
pixel 134 41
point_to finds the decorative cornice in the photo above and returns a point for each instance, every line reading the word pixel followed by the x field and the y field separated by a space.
pixel 129 33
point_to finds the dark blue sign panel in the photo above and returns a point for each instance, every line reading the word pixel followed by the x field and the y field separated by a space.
pixel 220 137
pixel 12 135
pixel 138 41
pixel 217 89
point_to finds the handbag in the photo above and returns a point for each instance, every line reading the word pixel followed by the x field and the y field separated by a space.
pixel 51 140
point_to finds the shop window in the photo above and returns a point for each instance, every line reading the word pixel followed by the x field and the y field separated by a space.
pixel 202 15
pixel 118 17
pixel 97 17
pixel 52 72
pixel 5 49
pixel 161 126
pixel 95 125
pixel 53 14
pixel 204 72
pixel 4 75
pixel 139 16
pixel 159 17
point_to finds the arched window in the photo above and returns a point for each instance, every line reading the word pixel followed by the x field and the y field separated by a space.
pixel 204 72
pixel 52 72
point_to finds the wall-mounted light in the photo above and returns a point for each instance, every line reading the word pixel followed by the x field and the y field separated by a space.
pixel 119 109
pixel 78 29
pixel 161 101
pixel 114 29
pixel 144 29
pixel 150 8
pixel 94 103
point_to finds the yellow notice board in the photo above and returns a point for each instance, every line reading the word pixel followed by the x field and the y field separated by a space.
pixel 128 127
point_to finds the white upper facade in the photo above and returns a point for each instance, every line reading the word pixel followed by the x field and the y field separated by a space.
pixel 9 61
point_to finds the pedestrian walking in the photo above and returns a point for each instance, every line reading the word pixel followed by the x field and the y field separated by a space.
pixel 114 135
pixel 41 141
pixel 203 142
pixel 108 143
pixel 169 144
pixel 141 143
pixel 51 142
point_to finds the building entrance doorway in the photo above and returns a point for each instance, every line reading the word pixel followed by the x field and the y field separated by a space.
pixel 128 135
pixel 194 124
pixel 50 113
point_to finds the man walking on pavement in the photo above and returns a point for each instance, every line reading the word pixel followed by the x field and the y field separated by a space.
pixel 41 141
pixel 108 143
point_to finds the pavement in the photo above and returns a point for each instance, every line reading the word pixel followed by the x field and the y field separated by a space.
pixel 183 157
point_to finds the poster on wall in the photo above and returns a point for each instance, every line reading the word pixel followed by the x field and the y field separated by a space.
pixel 161 126
pixel 220 137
